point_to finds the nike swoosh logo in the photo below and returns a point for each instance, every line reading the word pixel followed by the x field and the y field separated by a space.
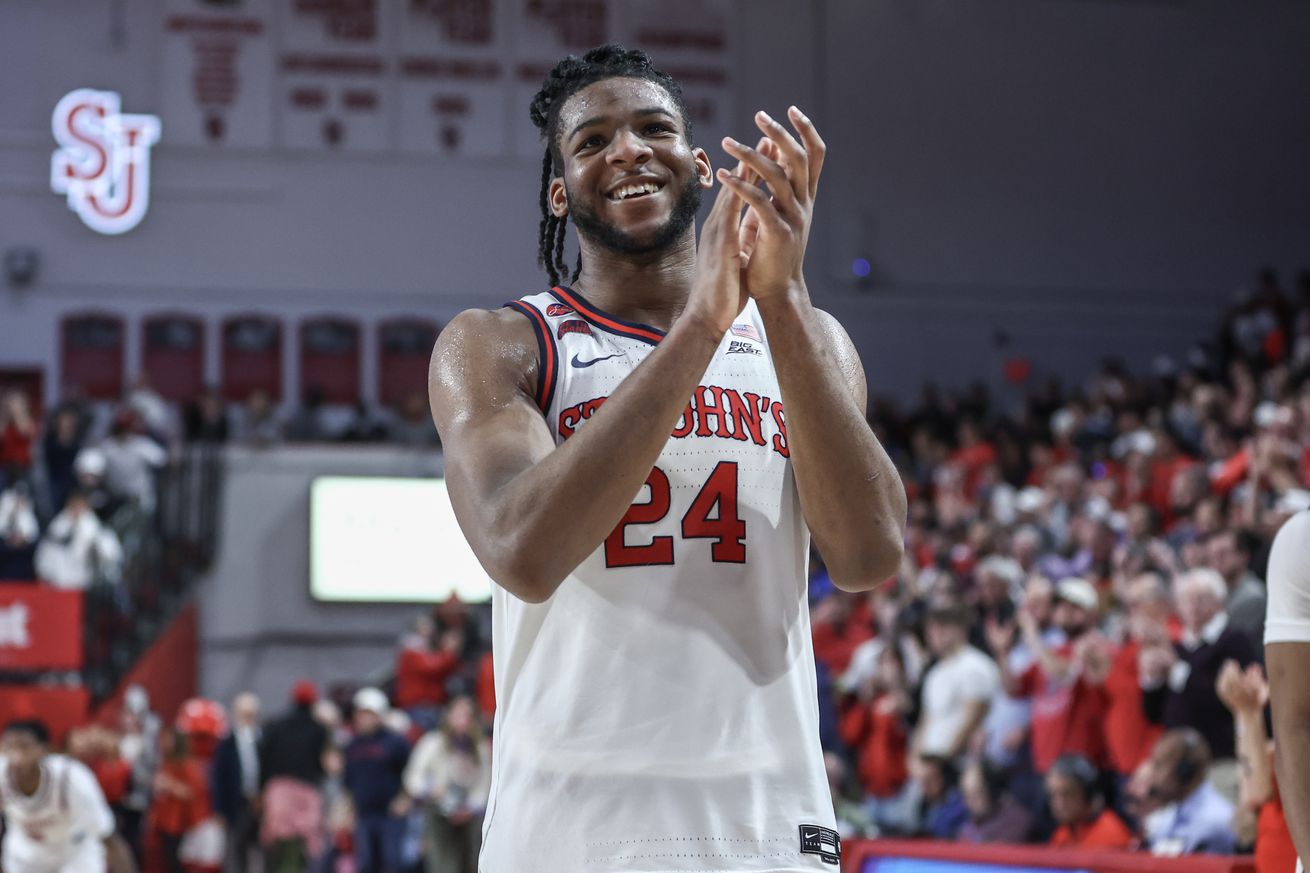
pixel 809 835
pixel 578 362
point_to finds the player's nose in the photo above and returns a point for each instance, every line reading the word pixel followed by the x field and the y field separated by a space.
pixel 628 149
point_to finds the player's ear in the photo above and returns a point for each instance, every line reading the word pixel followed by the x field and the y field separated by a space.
pixel 558 197
pixel 704 172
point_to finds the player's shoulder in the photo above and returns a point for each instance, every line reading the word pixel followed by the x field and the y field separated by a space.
pixel 483 341
pixel 1296 528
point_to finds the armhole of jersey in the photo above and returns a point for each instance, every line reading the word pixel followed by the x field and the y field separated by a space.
pixel 548 359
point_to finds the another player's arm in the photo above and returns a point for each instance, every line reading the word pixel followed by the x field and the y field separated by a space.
pixel 533 511
pixel 1287 657
pixel 851 494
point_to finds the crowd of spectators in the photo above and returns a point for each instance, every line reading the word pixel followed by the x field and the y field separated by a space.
pixel 1077 624
pixel 356 780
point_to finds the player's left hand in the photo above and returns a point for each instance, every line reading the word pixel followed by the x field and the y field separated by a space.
pixel 777 228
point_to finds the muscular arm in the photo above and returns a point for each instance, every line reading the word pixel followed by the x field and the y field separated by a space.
pixel 509 484
pixel 851 495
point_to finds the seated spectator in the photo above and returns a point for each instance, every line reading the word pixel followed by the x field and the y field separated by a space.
pixel 413 424
pixel 1178 680
pixel 18 533
pixel 1073 786
pixel 78 549
pixel 995 816
pixel 1195 817
pixel 257 423
pixel 957 689
pixel 941 807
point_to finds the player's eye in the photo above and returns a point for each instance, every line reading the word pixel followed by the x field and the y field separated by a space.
pixel 591 142
pixel 658 127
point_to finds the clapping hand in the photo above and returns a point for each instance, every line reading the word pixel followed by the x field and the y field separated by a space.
pixel 776 229
pixel 1242 690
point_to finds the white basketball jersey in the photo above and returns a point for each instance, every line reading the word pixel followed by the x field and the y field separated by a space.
pixel 62 826
pixel 659 712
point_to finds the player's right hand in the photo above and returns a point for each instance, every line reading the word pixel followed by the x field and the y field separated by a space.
pixel 717 295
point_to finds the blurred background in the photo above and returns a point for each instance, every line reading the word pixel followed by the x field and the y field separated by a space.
pixel 1070 239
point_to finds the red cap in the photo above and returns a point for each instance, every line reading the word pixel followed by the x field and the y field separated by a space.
pixel 304 692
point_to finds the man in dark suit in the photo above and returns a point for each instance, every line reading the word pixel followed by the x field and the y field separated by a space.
pixel 235 782
pixel 1178 679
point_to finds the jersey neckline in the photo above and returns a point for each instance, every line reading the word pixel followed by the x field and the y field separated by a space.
pixel 604 320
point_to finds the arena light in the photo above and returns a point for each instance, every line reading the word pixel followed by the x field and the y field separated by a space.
pixel 389 540
pixel 102 165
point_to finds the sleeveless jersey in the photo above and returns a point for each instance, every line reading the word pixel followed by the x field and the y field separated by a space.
pixel 659 711
pixel 61 827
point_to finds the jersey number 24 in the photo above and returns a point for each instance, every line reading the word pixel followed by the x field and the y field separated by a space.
pixel 727 531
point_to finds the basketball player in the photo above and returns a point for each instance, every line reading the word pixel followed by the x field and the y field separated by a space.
pixel 56 818
pixel 1287 653
pixel 638 459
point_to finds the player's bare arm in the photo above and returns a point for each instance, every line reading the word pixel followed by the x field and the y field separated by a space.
pixel 851 494
pixel 531 511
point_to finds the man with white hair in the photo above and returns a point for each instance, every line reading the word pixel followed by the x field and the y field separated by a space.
pixel 1287 651
pixel 1178 679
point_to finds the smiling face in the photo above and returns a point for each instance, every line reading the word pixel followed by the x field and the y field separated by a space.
pixel 631 180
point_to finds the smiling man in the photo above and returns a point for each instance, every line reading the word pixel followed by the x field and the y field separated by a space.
pixel 639 458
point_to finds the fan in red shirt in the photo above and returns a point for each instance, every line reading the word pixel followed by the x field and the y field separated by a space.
pixel 1067 708
pixel 874 727
pixel 422 668
pixel 1073 786
pixel 840 622
pixel 1129 735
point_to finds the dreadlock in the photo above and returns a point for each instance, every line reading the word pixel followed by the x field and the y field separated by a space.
pixel 567 78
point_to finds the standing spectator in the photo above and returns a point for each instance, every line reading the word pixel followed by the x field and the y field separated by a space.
pixel 139 745
pixel 235 779
pixel 130 463
pixel 17 436
pixel 1073 786
pixel 1179 679
pixel 291 770
pixel 205 419
pixel 1228 552
pixel 1195 817
pixel 59 451
pixel 78 549
pixel 450 772
pixel 18 533
pixel 957 690
pixel 875 727
pixel 1129 736
pixel 995 816
pixel 374 767
pixel 1067 708
pixel 423 666
pixel 180 798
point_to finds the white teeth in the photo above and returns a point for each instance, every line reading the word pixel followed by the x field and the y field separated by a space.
pixel 631 190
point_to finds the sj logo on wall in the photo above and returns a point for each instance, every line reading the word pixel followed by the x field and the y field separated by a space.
pixel 102 164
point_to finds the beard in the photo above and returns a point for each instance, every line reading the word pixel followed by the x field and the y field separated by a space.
pixel 598 232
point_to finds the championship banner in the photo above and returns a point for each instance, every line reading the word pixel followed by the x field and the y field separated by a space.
pixel 40 628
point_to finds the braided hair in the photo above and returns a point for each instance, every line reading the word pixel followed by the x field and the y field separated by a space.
pixel 567 78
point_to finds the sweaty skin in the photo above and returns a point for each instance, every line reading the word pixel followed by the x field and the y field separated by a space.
pixel 510 484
